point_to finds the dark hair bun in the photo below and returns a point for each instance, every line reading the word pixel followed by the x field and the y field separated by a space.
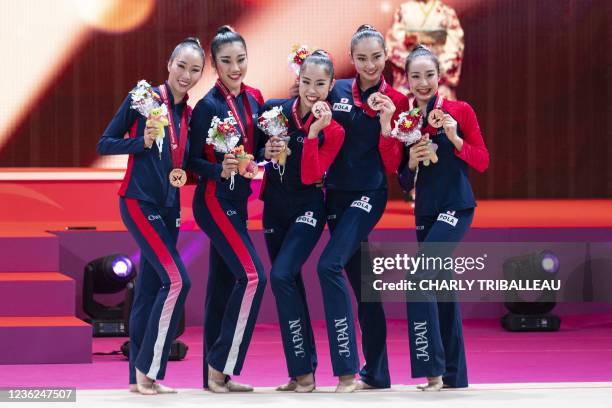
pixel 420 47
pixel 194 40
pixel 365 27
pixel 225 29
pixel 421 50
pixel 224 35
pixel 320 52
pixel 367 31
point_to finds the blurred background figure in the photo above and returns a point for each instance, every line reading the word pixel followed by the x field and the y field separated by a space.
pixel 434 24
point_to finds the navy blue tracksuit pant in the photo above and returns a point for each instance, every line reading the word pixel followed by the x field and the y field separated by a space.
pixel 161 286
pixel 292 230
pixel 351 216
pixel 236 280
pixel 434 327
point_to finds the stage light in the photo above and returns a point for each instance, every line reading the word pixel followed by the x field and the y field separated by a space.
pixel 534 314
pixel 122 266
pixel 108 275
pixel 115 16
pixel 549 262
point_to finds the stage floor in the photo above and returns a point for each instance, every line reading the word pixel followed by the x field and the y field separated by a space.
pixel 591 395
pixel 580 352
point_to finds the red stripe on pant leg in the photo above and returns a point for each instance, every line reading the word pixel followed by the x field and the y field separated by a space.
pixel 234 239
pixel 165 258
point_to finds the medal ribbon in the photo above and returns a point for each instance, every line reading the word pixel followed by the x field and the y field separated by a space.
pixel 177 147
pixel 245 129
pixel 437 105
pixel 357 97
pixel 439 100
pixel 305 127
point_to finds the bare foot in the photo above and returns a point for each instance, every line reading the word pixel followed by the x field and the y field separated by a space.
pixel 290 386
pixel 305 383
pixel 362 385
pixel 346 383
pixel 163 389
pixel 144 384
pixel 234 386
pixel 433 384
pixel 216 381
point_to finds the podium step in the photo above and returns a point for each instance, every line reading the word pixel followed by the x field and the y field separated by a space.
pixel 36 294
pixel 29 251
pixel 44 340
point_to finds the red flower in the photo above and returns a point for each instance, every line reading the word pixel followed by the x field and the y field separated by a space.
pixel 410 121
pixel 225 128
pixel 300 56
pixel 407 125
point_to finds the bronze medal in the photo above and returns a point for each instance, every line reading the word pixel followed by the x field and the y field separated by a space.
pixel 436 118
pixel 178 177
pixel 373 102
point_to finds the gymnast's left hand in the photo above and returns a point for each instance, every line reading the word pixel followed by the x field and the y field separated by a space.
pixel 450 127
pixel 387 109
pixel 323 113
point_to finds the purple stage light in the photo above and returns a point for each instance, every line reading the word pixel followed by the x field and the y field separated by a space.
pixel 549 262
pixel 122 266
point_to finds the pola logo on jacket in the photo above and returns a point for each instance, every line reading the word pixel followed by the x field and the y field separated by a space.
pixel 232 120
pixel 363 204
pixel 342 106
pixel 448 218
pixel 307 218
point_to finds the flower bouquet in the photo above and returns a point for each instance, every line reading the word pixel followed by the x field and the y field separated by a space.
pixel 224 137
pixel 146 102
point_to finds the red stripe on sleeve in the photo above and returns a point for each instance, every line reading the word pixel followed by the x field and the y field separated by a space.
pixel 315 160
pixel 474 152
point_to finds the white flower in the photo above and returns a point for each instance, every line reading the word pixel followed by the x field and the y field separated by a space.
pixel 272 113
pixel 144 100
pixel 223 144
pixel 274 123
pixel 213 128
pixel 164 109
